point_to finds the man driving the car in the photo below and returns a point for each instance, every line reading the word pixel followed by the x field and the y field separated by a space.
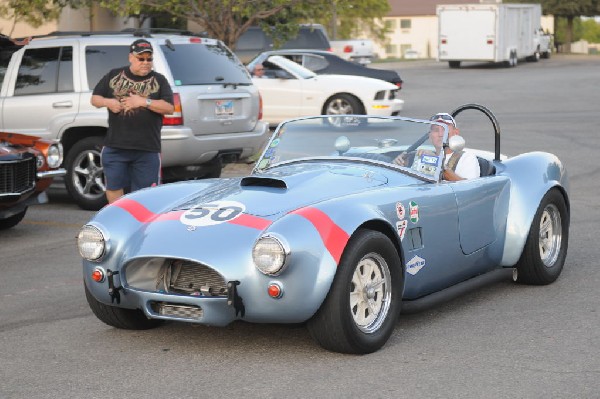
pixel 457 165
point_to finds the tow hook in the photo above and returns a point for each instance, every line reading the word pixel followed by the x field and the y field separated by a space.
pixel 112 290
pixel 233 299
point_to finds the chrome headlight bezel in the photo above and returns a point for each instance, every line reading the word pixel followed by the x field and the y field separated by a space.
pixel 91 243
pixel 54 157
pixel 270 254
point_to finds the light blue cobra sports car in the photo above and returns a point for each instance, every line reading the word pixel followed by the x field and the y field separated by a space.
pixel 330 230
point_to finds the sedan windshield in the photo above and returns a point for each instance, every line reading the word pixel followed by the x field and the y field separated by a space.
pixel 405 144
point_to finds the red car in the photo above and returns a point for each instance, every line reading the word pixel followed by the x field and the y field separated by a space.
pixel 28 165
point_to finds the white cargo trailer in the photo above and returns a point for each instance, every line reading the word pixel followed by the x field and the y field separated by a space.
pixel 489 32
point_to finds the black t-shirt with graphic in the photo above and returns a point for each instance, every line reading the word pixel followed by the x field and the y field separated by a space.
pixel 138 129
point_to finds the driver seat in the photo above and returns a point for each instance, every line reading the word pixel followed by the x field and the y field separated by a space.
pixel 486 168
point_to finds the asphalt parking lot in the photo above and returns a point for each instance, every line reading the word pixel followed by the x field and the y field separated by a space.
pixel 500 341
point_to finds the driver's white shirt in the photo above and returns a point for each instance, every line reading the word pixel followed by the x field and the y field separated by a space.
pixel 467 166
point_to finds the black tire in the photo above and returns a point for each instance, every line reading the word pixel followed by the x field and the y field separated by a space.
pixel 454 64
pixel 85 178
pixel 13 220
pixel 127 319
pixel 545 250
pixel 343 104
pixel 341 326
pixel 546 54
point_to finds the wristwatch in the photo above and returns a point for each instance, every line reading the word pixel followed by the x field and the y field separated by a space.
pixel 148 102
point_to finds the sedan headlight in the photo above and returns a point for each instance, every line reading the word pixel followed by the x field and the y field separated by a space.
pixel 91 243
pixel 55 155
pixel 269 255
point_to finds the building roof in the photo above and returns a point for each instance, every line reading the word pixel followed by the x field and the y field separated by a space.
pixel 412 8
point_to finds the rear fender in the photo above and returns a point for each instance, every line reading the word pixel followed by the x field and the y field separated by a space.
pixel 532 176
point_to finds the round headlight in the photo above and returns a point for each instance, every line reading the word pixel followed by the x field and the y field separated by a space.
pixel 91 243
pixel 269 255
pixel 55 155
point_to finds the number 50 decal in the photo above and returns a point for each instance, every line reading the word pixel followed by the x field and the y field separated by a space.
pixel 212 213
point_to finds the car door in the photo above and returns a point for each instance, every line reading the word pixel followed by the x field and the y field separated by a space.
pixel 44 82
pixel 282 98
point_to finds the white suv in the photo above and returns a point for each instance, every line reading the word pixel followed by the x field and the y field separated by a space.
pixel 47 85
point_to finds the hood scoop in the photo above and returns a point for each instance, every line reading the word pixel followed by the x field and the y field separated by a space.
pixel 250 181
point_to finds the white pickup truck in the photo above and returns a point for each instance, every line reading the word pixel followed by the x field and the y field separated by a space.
pixel 356 50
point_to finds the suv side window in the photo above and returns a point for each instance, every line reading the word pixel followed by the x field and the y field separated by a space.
pixel 45 70
pixel 99 60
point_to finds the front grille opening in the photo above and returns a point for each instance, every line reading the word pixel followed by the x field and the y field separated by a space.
pixel 18 177
pixel 177 310
pixel 175 276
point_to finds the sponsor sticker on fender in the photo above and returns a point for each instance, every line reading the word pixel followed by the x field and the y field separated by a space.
pixel 401 228
pixel 414 212
pixel 400 211
pixel 212 213
pixel 414 265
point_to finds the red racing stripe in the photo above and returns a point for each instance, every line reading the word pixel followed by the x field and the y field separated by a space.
pixel 251 221
pixel 135 209
pixel 334 238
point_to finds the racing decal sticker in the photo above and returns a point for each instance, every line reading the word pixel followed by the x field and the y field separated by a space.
pixel 209 215
pixel 413 210
pixel 400 211
pixel 334 238
pixel 414 265
pixel 401 228
pixel 212 213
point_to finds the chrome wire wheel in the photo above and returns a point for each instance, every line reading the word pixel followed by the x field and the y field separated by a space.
pixel 370 293
pixel 550 236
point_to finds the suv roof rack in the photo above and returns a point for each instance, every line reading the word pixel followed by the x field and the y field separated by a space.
pixel 136 32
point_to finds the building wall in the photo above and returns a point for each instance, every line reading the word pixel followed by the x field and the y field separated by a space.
pixel 71 20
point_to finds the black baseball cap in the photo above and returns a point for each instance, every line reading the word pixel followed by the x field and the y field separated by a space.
pixel 141 46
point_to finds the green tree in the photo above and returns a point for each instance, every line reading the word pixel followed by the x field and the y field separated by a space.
pixel 225 19
pixel 32 12
pixel 590 31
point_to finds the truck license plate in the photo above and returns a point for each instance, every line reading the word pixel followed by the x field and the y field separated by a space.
pixel 224 107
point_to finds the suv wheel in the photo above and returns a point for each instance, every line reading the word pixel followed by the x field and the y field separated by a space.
pixel 85 177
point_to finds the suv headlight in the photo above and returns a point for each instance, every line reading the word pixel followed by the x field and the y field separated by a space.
pixel 91 243
pixel 269 254
pixel 55 155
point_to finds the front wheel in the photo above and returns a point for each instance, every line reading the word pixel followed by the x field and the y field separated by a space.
pixel 127 319
pixel 12 220
pixel 343 104
pixel 545 250
pixel 85 176
pixel 360 311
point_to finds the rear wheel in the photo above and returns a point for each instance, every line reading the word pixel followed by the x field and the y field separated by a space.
pixel 12 220
pixel 361 309
pixel 454 64
pixel 85 176
pixel 545 250
pixel 127 319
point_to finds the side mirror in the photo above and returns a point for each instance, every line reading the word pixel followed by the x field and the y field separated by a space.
pixel 456 143
pixel 342 144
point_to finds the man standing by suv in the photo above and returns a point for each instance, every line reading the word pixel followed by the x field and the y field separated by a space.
pixel 136 98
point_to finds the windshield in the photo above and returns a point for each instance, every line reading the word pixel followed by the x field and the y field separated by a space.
pixel 408 145
pixel 291 67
